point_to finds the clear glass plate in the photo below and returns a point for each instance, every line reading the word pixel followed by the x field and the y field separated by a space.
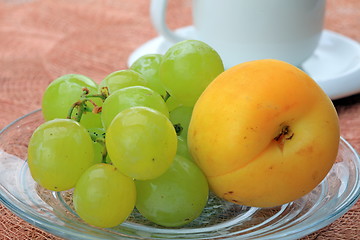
pixel 53 211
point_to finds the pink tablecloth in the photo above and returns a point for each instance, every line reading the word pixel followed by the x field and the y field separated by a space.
pixel 43 39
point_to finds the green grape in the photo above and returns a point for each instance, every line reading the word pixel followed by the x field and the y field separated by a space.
pixel 175 198
pixel 183 149
pixel 181 116
pixel 187 69
pixel 141 142
pixel 148 65
pixel 63 92
pixel 121 79
pixel 59 151
pixel 172 103
pixel 103 196
pixel 130 97
pixel 98 139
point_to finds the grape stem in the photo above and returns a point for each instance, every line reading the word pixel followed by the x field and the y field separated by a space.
pixel 83 106
pixel 178 129
pixel 104 151
pixel 79 105
pixel 101 141
pixel 166 97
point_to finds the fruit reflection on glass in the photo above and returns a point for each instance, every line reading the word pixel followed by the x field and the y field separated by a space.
pixel 264 133
pixel 260 134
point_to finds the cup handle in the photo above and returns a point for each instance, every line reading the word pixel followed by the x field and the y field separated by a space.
pixel 158 18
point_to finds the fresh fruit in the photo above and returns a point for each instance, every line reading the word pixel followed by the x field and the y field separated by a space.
pixel 175 198
pixel 172 103
pixel 148 66
pixel 63 92
pixel 181 116
pixel 103 196
pixel 59 151
pixel 264 133
pixel 261 134
pixel 187 68
pixel 121 79
pixel 130 97
pixel 98 139
pixel 141 142
pixel 182 148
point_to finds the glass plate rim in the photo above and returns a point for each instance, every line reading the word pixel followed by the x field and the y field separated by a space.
pixel 57 230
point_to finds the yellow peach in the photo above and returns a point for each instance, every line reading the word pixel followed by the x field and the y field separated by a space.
pixel 264 133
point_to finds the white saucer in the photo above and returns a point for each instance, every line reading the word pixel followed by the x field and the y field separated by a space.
pixel 335 64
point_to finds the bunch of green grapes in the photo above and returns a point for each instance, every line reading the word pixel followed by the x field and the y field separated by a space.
pixel 123 143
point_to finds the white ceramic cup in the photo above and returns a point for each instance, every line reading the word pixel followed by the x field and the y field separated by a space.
pixel 245 30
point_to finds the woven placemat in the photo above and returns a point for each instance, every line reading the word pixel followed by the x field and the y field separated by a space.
pixel 43 39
